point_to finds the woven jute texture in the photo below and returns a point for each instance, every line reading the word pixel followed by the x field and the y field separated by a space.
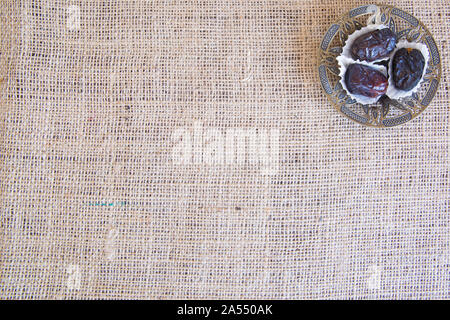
pixel 112 186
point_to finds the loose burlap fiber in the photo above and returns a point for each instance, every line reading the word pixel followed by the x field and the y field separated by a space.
pixel 95 204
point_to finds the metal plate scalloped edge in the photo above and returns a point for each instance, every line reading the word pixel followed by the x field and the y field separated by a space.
pixel 413 106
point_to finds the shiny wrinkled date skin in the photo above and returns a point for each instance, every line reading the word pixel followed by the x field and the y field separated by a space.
pixel 374 45
pixel 407 65
pixel 366 81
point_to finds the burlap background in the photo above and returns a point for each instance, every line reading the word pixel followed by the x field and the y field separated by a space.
pixel 93 206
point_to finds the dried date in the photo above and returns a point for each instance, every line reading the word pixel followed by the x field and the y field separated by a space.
pixel 374 45
pixel 366 81
pixel 407 68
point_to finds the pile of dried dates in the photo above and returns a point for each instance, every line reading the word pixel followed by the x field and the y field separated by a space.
pixel 370 55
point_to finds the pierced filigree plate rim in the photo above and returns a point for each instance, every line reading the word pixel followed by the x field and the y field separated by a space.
pixel 376 117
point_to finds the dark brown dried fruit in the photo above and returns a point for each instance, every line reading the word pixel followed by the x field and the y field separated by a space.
pixel 366 81
pixel 374 45
pixel 407 68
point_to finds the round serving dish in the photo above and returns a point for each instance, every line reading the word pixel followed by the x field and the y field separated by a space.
pixel 386 112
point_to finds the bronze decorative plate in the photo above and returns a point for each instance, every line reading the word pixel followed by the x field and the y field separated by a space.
pixel 386 112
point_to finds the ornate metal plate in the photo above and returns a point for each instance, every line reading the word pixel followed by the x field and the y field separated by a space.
pixel 387 112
